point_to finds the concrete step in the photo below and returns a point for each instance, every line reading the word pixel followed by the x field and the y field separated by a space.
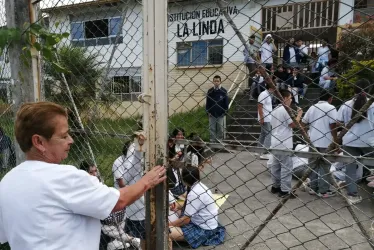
pixel 241 142
pixel 244 114
pixel 242 136
pixel 254 128
pixel 242 121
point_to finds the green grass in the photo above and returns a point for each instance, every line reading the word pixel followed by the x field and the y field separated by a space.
pixel 107 147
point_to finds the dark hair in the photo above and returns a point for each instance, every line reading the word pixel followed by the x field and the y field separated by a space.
pixel 285 93
pixel 190 175
pixel 126 146
pixel 280 66
pixel 85 165
pixel 176 131
pixel 139 123
pixel 2 133
pixel 325 95
pixel 194 147
pixel 360 98
pixel 332 61
pixel 217 76
pixel 252 37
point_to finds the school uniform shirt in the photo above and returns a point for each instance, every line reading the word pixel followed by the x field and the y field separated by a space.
pixel 52 206
pixel 361 134
pixel 265 99
pixel 173 216
pixel 266 53
pixel 281 132
pixel 325 72
pixel 130 169
pixel 319 117
pixel 193 159
pixel 201 207
pixel 292 55
pixel 323 53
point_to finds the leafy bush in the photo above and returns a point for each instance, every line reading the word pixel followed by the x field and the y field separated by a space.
pixel 356 44
pixel 359 70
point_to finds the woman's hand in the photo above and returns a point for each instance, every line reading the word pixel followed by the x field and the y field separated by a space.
pixel 155 176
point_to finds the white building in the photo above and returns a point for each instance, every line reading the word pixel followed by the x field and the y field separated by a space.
pixel 201 42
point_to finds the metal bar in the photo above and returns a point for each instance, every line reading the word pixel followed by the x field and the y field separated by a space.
pixel 302 154
pixel 310 13
pixel 236 78
pixel 160 239
pixel 155 123
pixel 315 14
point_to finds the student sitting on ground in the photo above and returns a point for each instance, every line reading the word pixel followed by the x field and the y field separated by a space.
pixel 198 223
pixel 195 152
pixel 112 235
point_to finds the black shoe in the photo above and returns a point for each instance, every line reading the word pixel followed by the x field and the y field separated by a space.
pixel 275 190
pixel 285 194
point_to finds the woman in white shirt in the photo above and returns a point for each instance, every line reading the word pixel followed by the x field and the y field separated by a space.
pixel 359 140
pixel 198 221
pixel 324 55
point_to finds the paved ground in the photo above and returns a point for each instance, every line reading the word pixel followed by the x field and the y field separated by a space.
pixel 304 223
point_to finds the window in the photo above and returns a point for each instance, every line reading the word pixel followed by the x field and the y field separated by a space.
pixel 96 32
pixel 126 84
pixel 200 52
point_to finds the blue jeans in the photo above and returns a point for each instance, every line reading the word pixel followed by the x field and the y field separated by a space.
pixel 265 137
pixel 216 128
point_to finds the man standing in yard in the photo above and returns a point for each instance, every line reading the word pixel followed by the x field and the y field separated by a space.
pixel 217 104
pixel 264 108
pixel 250 57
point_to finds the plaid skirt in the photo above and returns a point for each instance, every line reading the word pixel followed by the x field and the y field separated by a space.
pixel 178 190
pixel 196 236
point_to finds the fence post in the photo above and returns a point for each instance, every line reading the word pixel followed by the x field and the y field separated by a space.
pixel 155 114
pixel 25 72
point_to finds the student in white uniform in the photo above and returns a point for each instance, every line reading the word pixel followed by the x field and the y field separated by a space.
pixel 113 236
pixel 359 140
pixel 198 223
pixel 128 169
pixel 264 108
pixel 267 49
pixel 321 118
pixel 57 206
pixel 281 138
pixel 324 55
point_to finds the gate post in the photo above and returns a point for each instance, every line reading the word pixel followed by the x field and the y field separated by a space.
pixel 155 118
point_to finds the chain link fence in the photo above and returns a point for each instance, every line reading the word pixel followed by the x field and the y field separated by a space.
pixel 270 117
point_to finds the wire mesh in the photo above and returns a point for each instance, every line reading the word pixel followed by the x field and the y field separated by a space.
pixel 256 153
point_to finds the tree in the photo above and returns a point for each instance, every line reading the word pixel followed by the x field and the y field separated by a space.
pixel 356 44
pixel 81 73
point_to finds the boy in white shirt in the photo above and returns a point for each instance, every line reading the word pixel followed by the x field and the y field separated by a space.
pixel 264 108
pixel 321 118
pixel 281 138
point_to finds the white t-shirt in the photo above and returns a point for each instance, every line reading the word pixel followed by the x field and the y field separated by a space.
pixel 281 132
pixel 292 55
pixel 324 72
pixel 298 161
pixel 201 207
pixel 323 53
pixel 130 169
pixel 193 159
pixel 266 53
pixel 304 50
pixel 319 117
pixel 172 215
pixel 361 134
pixel 51 206
pixel 265 99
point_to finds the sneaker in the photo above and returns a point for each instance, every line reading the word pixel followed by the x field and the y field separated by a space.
pixel 285 194
pixel 275 190
pixel 312 192
pixel 265 156
pixel 341 184
pixel 370 178
pixel 371 184
pixel 328 194
pixel 135 242
pixel 354 199
pixel 305 186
